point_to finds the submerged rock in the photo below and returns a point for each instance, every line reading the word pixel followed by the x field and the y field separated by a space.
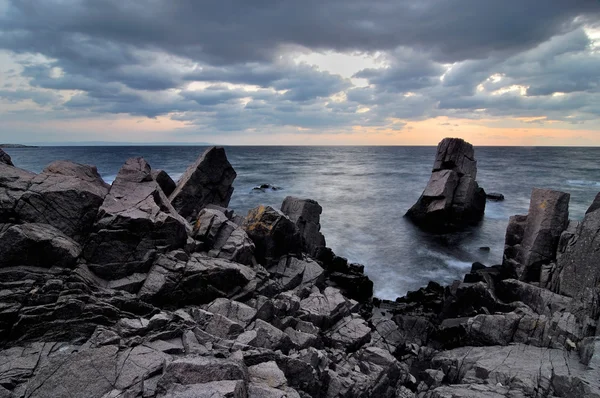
pixel 452 198
pixel 494 196
pixel 208 181
pixel 265 188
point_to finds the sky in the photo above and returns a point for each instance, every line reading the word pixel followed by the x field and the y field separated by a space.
pixel 311 72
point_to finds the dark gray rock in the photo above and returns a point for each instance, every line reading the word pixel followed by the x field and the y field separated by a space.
pixel 5 158
pixel 350 333
pixel 325 309
pixel 306 214
pixel 65 195
pixel 178 279
pixel 236 311
pixel 291 273
pixel 14 182
pixel 532 242
pixel 164 181
pixel 452 198
pixel 494 196
pixel 273 234
pixel 208 181
pixel 134 222
pixel 36 245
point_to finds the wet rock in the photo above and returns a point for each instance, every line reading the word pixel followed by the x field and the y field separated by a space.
pixel 265 188
pixel 452 198
pixel 65 195
pixel 208 181
pixel 164 181
pixel 222 237
pixel 5 158
pixel 176 278
pixel 36 245
pixel 134 222
pixel 532 242
pixel 494 196
pixel 272 233
pixel 306 214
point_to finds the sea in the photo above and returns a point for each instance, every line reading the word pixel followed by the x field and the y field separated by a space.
pixel 365 192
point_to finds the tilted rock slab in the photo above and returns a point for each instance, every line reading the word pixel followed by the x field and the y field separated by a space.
pixel 134 222
pixel 208 181
pixel 306 214
pixel 452 198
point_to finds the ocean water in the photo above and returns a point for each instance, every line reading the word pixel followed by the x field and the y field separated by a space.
pixel 365 191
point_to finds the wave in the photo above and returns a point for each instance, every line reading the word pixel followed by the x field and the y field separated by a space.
pixel 584 183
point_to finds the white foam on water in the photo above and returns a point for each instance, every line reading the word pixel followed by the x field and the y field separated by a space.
pixel 584 183
pixel 461 265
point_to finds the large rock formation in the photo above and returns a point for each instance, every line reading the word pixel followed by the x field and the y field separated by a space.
pixel 14 182
pixel 5 158
pixel 135 222
pixel 532 240
pixel 207 181
pixel 452 198
pixel 306 214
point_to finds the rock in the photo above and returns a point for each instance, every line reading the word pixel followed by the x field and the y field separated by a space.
pixel 272 233
pixel 36 245
pixel 208 181
pixel 267 373
pixel 164 181
pixel 355 286
pixel 306 214
pixel 233 310
pixel 268 336
pixel 223 327
pixel 542 301
pixel 5 158
pixel 14 182
pixel 325 309
pixel 176 278
pixel 452 198
pixel 213 389
pixel 65 195
pixel 494 196
pixel 350 333
pixel 222 237
pixel 291 272
pixel 134 222
pixel 525 252
pixel 265 188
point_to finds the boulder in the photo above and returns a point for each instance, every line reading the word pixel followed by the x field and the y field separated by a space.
pixel 452 198
pixel 350 333
pixel 135 222
pixel 291 272
pixel 306 214
pixel 36 245
pixel 14 182
pixel 66 195
pixel 532 241
pixel 273 234
pixel 177 279
pixel 223 238
pixel 325 309
pixel 5 158
pixel 494 196
pixel 236 311
pixel 164 181
pixel 207 181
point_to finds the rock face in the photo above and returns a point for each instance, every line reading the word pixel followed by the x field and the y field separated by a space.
pixel 134 222
pixel 164 181
pixel 306 214
pixel 207 181
pixel 452 198
pixel 65 195
pixel 5 158
pixel 532 240
pixel 14 182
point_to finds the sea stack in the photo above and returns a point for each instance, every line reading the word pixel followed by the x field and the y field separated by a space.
pixel 452 199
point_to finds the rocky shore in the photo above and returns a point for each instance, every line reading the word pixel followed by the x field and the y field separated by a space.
pixel 151 288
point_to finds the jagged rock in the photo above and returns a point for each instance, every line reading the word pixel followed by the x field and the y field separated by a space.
pixel 268 336
pixel 542 301
pixel 350 333
pixel 325 309
pixel 534 371
pixel 291 272
pixel 14 182
pixel 306 214
pixel 5 158
pixel 223 327
pixel 95 372
pixel 65 195
pixel 222 237
pixel 267 373
pixel 273 234
pixel 36 245
pixel 452 198
pixel 496 197
pixel 176 278
pixel 164 181
pixel 474 391
pixel 532 241
pixel 208 181
pixel 213 389
pixel 356 286
pixel 233 310
pixel 134 222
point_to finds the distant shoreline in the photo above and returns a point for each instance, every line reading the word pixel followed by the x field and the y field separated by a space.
pixel 17 146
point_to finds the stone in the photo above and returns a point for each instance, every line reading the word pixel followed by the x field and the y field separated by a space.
pixel 350 333
pixel 324 309
pixel 213 389
pixel 194 370
pixel 267 373
pixel 306 214
pixel 14 182
pixel 222 237
pixel 223 327
pixel 291 272
pixel 452 198
pixel 542 301
pixel 494 196
pixel 207 181
pixel 273 234
pixel 268 336
pixel 164 181
pixel 5 158
pixel 236 311
pixel 36 245
pixel 178 279
pixel 135 222
pixel 525 252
